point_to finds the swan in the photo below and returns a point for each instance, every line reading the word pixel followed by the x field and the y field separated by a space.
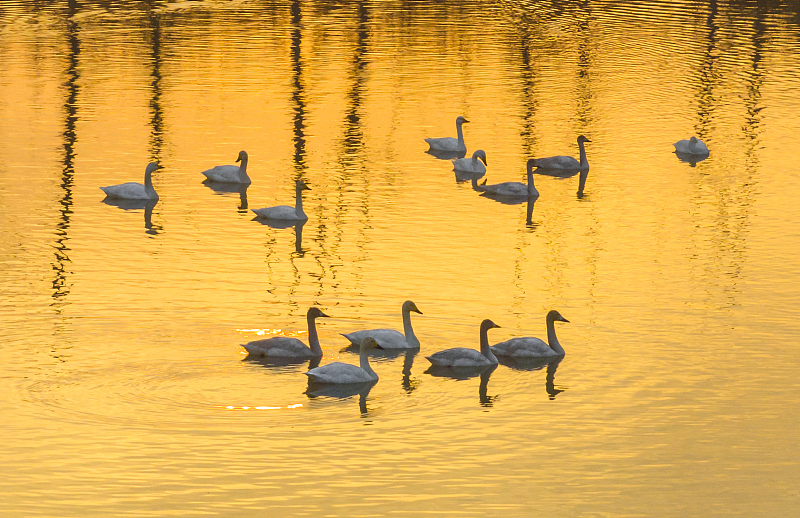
pixel 692 146
pixel 449 143
pixel 133 190
pixel 463 357
pixel 530 347
pixel 288 347
pixel 471 165
pixel 285 211
pixel 389 338
pixel 511 188
pixel 565 163
pixel 230 173
pixel 338 372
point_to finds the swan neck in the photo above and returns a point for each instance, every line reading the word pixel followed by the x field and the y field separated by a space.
pixel 584 160
pixel 485 349
pixel 460 133
pixel 531 188
pixel 408 331
pixel 148 184
pixel 364 361
pixel 552 341
pixel 313 338
pixel 298 202
pixel 243 171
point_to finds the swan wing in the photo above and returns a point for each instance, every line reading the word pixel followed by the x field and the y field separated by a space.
pixel 279 346
pixel 278 212
pixel 129 190
pixel 558 162
pixel 386 338
pixel 338 372
pixel 523 347
pixel 458 357
pixel 507 189
pixel 444 144
pixel 223 173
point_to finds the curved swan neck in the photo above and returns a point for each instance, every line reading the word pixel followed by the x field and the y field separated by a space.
pixel 364 361
pixel 298 202
pixel 552 341
pixel 531 188
pixel 460 133
pixel 408 331
pixel 313 339
pixel 485 349
pixel 243 171
pixel 584 160
pixel 148 184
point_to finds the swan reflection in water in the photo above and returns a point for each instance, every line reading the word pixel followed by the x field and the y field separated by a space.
pixel 446 155
pixel 535 364
pixel 690 158
pixel 285 223
pixel 342 391
pixel 465 373
pixel 281 361
pixel 146 205
pixel 230 188
pixel 466 176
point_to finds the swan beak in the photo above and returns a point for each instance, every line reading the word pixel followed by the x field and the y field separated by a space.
pixel 306 188
pixel 496 326
pixel 465 120
pixel 564 320
pixel 415 310
pixel 321 314
pixel 239 159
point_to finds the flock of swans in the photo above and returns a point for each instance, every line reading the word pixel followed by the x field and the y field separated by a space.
pixel 281 348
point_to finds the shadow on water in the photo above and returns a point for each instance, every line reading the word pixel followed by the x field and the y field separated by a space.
pixel 287 223
pixel 446 155
pixel 465 373
pixel 466 176
pixel 342 391
pixel 536 364
pixel 272 362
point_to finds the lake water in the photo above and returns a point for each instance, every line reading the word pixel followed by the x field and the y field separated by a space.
pixel 125 390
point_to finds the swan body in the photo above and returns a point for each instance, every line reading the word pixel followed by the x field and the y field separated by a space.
pixel 230 173
pixel 133 190
pixel 449 143
pixel 288 347
pixel 530 347
pixel 566 163
pixel 463 357
pixel 389 338
pixel 338 372
pixel 285 211
pixel 691 146
pixel 517 189
pixel 471 165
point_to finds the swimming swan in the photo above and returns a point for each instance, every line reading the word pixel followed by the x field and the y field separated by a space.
pixel 449 143
pixel 692 146
pixel 463 357
pixel 389 338
pixel 565 163
pixel 511 188
pixel 338 372
pixel 133 190
pixel 230 173
pixel 530 347
pixel 285 211
pixel 471 165
pixel 288 347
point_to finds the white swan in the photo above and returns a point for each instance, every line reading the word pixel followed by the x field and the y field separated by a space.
pixel 338 372
pixel 692 146
pixel 530 347
pixel 134 190
pixel 285 211
pixel 449 143
pixel 230 173
pixel 463 357
pixel 511 188
pixel 389 338
pixel 471 165
pixel 288 347
pixel 565 163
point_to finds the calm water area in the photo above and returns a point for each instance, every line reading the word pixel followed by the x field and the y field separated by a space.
pixel 125 389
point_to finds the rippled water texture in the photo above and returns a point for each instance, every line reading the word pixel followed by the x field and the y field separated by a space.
pixel 125 388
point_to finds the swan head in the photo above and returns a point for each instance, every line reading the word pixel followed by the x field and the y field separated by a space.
pixel 460 120
pixel 480 154
pixel 532 163
pixel 555 316
pixel 301 185
pixel 242 156
pixel 583 139
pixel 693 140
pixel 152 166
pixel 370 343
pixel 315 313
pixel 409 306
pixel 487 324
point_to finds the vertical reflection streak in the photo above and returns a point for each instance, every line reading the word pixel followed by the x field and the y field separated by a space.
pixel 61 287
pixel 156 112
pixel 708 76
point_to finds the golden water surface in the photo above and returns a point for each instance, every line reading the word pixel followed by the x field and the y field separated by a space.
pixel 124 390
